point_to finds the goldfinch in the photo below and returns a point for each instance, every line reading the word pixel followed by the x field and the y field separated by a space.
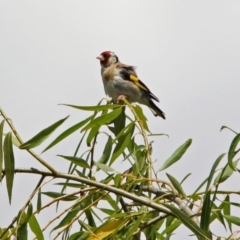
pixel 121 80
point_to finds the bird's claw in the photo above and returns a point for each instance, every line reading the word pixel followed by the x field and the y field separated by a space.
pixel 121 97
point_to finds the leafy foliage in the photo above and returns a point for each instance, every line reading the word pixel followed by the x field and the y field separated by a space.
pixel 104 202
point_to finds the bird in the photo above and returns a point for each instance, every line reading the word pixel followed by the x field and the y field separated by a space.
pixel 121 80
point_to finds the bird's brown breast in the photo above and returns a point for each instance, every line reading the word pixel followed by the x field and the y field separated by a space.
pixel 108 73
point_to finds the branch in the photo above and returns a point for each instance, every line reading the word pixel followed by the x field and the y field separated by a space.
pixel 172 197
pixel 115 190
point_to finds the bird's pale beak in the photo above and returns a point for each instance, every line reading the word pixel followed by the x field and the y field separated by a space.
pixel 101 58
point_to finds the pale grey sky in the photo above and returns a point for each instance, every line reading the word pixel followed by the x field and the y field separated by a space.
pixel 187 52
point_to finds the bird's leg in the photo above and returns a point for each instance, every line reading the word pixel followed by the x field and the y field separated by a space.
pixel 121 97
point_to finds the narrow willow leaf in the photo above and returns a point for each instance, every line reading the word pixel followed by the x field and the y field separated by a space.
pixel 206 212
pixel 176 155
pixel 107 211
pixel 214 167
pixel 125 131
pixel 233 219
pixel 29 213
pixel 57 195
pixel 94 108
pixel 15 141
pixel 142 117
pixel 176 184
pixel 171 227
pixel 107 179
pixel 92 134
pixel 117 180
pixel 121 145
pixel 223 127
pixel 39 201
pixel 1 147
pixel 6 234
pixel 104 167
pixel 157 134
pixel 75 160
pixel 119 122
pixel 73 185
pixel 227 210
pixel 35 227
pixel 90 218
pixel 103 119
pixel 79 236
pixel 67 219
pixel 107 151
pixel 106 229
pixel 207 204
pixel 185 177
pixel 216 213
pixel 228 171
pixel 187 221
pixel 42 136
pixel 135 226
pixel 232 149
pixel 22 232
pixel 9 163
pixel 67 132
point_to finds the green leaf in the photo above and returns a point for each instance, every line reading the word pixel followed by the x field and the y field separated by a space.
pixel 223 127
pixel 210 177
pixel 176 184
pixel 225 173
pixel 176 155
pixel 103 119
pixel 233 219
pixel 142 117
pixel 107 151
pixel 9 164
pixel 22 232
pixel 1 147
pixel 227 210
pixel 157 134
pixel 94 108
pixel 119 122
pixel 186 220
pixel 67 132
pixel 92 134
pixel 206 212
pixel 207 204
pixel 104 167
pixel 75 160
pixel 231 152
pixel 123 142
pixel 42 136
pixel 185 177
pixel 39 200
pixel 67 219
pixel 57 195
pixel 171 227
pixel 79 236
pixel 29 213
pixel 73 185
pixel 134 227
pixel 34 226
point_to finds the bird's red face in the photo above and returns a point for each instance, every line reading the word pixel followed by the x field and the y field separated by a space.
pixel 107 58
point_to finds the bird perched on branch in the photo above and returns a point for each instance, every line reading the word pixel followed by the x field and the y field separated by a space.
pixel 120 80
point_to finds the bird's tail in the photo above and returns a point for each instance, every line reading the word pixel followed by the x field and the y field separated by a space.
pixel 156 110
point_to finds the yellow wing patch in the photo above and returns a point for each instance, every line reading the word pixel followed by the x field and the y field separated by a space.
pixel 136 81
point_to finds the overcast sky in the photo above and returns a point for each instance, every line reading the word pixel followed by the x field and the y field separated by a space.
pixel 186 52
